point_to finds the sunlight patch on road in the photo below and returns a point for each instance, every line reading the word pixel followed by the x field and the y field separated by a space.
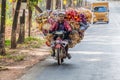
pixel 16 67
pixel 103 43
pixel 85 52
pixel 93 60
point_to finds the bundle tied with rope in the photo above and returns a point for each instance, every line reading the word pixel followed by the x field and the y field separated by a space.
pixel 72 16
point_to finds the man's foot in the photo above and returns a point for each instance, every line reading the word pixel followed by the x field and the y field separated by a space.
pixel 62 60
pixel 69 56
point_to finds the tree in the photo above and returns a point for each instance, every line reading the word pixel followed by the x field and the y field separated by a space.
pixel 13 9
pixel 34 3
pixel 29 18
pixel 57 4
pixel 21 37
pixel 70 3
pixel 37 8
pixel 81 2
pixel 14 25
pixel 48 4
pixel 31 4
pixel 2 28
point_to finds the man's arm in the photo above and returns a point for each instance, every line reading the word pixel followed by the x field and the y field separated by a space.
pixel 53 27
pixel 68 26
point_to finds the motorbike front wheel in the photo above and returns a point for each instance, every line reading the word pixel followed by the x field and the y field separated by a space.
pixel 59 59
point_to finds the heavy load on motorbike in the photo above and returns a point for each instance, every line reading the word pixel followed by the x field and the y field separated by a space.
pixel 72 16
pixel 63 30
pixel 86 12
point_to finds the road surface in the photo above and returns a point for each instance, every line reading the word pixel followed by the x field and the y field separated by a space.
pixel 97 57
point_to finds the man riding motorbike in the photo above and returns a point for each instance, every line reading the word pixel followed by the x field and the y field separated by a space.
pixel 61 25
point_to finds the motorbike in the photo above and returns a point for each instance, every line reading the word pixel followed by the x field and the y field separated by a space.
pixel 59 45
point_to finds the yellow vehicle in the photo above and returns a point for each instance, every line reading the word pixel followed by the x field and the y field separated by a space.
pixel 100 12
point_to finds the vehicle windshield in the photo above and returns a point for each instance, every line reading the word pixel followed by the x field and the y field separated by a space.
pixel 100 9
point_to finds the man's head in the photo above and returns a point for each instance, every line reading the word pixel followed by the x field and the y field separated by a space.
pixel 61 17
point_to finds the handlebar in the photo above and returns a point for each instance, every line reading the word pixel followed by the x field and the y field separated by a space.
pixel 58 32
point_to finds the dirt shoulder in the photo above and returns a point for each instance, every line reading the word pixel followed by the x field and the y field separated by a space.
pixel 13 68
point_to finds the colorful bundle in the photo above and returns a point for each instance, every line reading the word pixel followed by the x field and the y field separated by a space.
pixel 86 12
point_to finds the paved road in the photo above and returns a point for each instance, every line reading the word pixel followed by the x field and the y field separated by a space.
pixel 97 57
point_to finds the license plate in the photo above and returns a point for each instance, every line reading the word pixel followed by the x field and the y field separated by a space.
pixel 100 20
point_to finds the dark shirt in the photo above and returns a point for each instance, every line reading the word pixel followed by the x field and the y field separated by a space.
pixel 61 26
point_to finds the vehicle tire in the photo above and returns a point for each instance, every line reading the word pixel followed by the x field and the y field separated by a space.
pixel 62 60
pixel 59 60
pixel 107 22
pixel 94 22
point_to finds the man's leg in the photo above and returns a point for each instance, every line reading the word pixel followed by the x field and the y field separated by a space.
pixel 68 55
pixel 66 37
pixel 53 54
pixel 53 47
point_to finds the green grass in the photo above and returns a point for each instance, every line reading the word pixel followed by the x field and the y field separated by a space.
pixel 14 57
pixel 7 43
pixel 9 22
pixel 31 39
pixel 30 42
pixel 33 42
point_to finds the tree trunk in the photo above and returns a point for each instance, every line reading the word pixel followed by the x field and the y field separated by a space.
pixel 82 3
pixel 38 9
pixel 48 4
pixel 13 8
pixel 14 25
pixel 30 21
pixel 78 3
pixel 70 3
pixel 57 4
pixel 21 37
pixel 2 28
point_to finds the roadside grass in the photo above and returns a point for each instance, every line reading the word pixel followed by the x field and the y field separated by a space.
pixel 29 43
pixel 32 42
pixel 9 22
pixel 7 43
pixel 18 57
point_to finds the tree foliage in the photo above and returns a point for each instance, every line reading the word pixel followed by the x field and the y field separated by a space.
pixel 34 2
